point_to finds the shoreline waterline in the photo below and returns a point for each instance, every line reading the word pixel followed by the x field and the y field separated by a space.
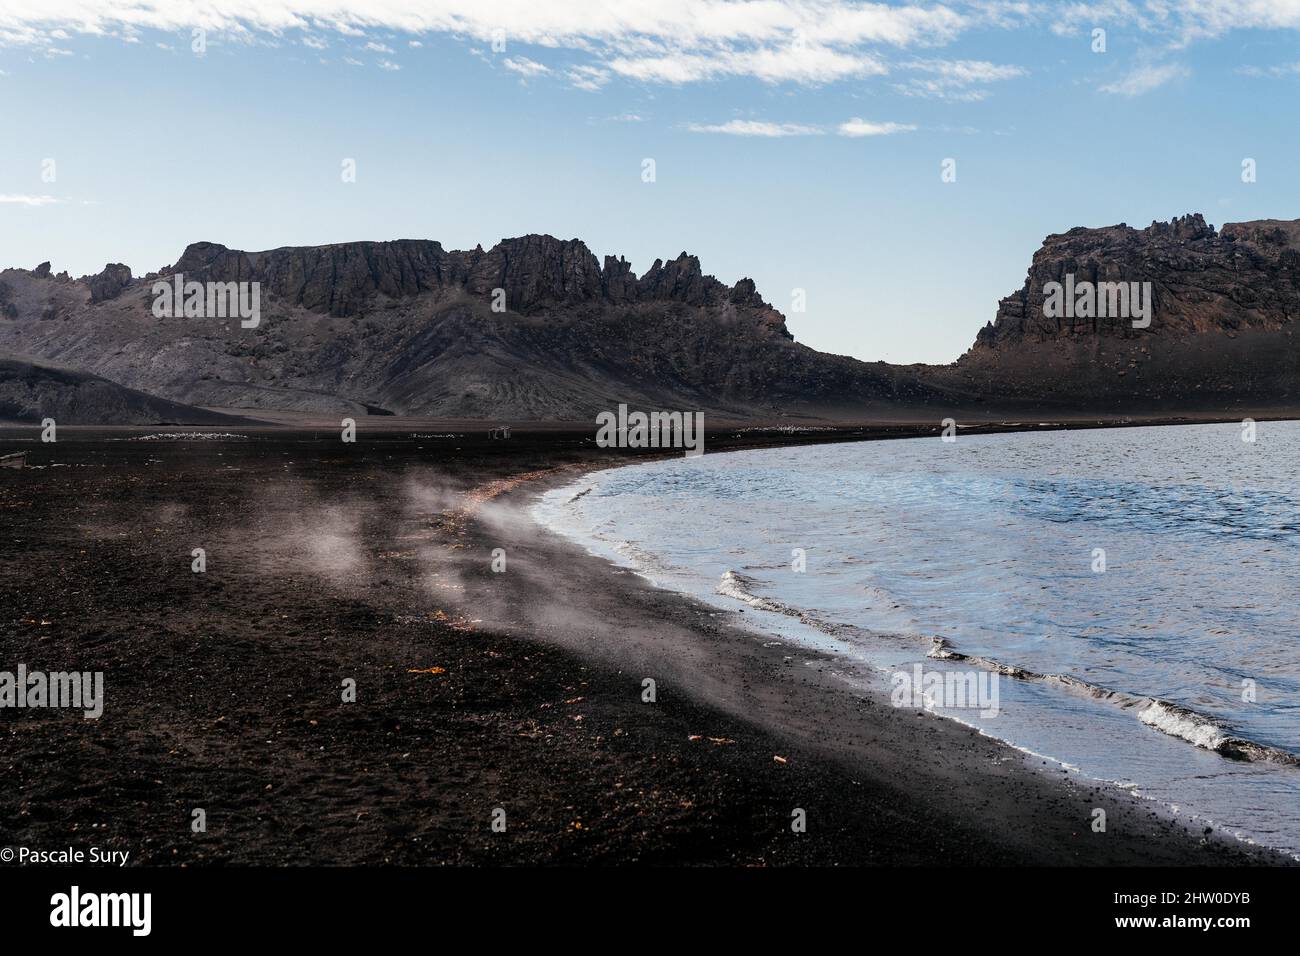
pixel 1157 728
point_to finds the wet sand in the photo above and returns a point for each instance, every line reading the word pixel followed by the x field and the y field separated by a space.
pixel 475 690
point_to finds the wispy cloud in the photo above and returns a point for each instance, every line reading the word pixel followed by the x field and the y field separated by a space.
pixel 1146 78
pixel 654 41
pixel 574 24
pixel 1182 22
pixel 756 128
pixel 525 67
pixel 1284 69
pixel 808 42
pixel 12 199
pixel 590 78
pixel 859 127
pixel 854 127
pixel 955 80
pixel 798 64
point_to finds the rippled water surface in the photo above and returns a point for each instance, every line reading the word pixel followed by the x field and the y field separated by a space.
pixel 994 544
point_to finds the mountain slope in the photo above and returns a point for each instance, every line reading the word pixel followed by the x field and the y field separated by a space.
pixel 31 392
pixel 409 328
pixel 536 328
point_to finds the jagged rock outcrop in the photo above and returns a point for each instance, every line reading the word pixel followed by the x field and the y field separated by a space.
pixel 109 283
pixel 536 273
pixel 1245 276
pixel 1221 337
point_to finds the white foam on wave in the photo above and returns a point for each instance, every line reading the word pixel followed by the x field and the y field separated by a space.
pixel 1183 723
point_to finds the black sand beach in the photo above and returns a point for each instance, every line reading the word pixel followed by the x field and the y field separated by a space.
pixel 475 690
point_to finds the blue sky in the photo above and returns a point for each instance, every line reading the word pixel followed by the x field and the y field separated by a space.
pixel 797 143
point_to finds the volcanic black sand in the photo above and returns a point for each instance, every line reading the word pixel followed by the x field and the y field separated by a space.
pixel 372 562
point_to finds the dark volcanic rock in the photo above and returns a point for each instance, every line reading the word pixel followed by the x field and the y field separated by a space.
pixel 1221 337
pixel 109 283
pixel 337 280
pixel 680 280
pixel 1246 276
pixel 536 272
pixel 619 280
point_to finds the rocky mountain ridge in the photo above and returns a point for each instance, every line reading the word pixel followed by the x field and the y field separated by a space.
pixel 534 328
pixel 537 328
pixel 535 272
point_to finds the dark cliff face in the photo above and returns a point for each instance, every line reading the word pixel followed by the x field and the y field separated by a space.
pixel 536 272
pixel 1221 338
pixel 1246 276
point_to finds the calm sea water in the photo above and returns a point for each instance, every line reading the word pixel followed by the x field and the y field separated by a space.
pixel 1186 646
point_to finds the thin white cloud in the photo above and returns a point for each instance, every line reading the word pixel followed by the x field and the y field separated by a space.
pixel 799 64
pixel 388 65
pixel 525 67
pixel 956 80
pixel 1183 21
pixel 12 199
pixel 590 78
pixel 656 41
pixel 968 72
pixel 1285 69
pixel 809 42
pixel 855 127
pixel 681 23
pixel 1146 78
pixel 859 127
pixel 756 128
